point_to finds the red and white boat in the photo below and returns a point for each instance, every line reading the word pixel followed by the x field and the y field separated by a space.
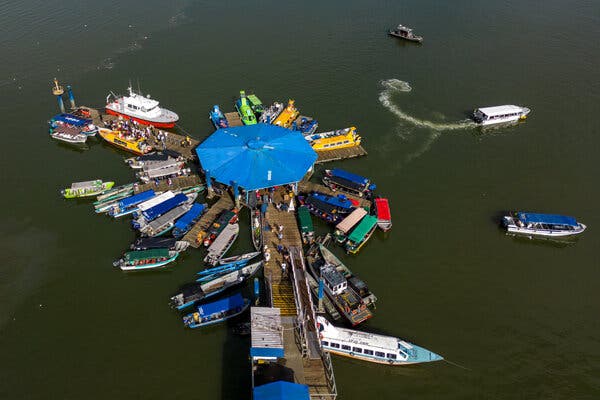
pixel 141 109
pixel 384 216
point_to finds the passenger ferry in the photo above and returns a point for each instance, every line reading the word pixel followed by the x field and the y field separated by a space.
pixel 361 234
pixel 130 144
pixel 500 114
pixel 333 140
pixel 347 181
pixel 287 117
pixel 549 225
pixel 371 347
pixel 140 108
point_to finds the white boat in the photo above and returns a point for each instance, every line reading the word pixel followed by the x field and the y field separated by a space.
pixel 165 222
pixel 271 113
pixel 140 108
pixel 548 225
pixel 169 170
pixel 371 347
pixel 69 137
pixel 500 114
pixel 222 243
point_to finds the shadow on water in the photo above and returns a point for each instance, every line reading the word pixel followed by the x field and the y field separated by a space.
pixel 543 241
pixel 236 379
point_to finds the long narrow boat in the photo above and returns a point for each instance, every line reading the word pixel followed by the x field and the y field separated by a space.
pixel 256 104
pixel 222 244
pixel 225 218
pixel 217 118
pixel 548 225
pixel 271 113
pixel 71 137
pixel 343 228
pixel 116 192
pixel 287 116
pixel 146 216
pixel 256 228
pixel 307 229
pixel 347 137
pixel 331 209
pixel 131 204
pixel 165 223
pixel 72 123
pixel 187 221
pixel 194 292
pixel 371 347
pixel 339 179
pixel 155 157
pixel 217 311
pixel 238 258
pixel 133 145
pixel 212 273
pixel 244 110
pixel 86 189
pixel 361 234
pixel 384 215
pixel 170 170
pixel 148 243
pixel 146 259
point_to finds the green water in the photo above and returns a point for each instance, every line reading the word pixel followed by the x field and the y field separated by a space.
pixel 520 317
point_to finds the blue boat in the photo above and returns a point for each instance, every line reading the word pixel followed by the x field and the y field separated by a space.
pixel 152 213
pixel 217 118
pixel 66 122
pixel 548 225
pixel 185 223
pixel 332 209
pixel 349 182
pixel 129 204
pixel 307 126
pixel 217 311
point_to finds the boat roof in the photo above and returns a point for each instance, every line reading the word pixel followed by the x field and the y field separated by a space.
pixel 361 230
pixel 351 220
pixel 383 208
pixel 340 200
pixel 389 343
pixel 266 332
pixel 305 219
pixel 222 241
pixel 228 303
pixel 140 100
pixel 72 119
pixel 145 254
pixel 168 217
pixel 156 200
pixel 254 99
pixel 136 198
pixel 527 217
pixel 165 206
pixel 500 110
pixel 281 390
pixel 349 176
pixel 86 184
pixel 332 275
pixel 190 216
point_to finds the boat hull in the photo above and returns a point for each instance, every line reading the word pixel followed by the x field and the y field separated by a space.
pixel 544 232
pixel 217 320
pixel 148 266
pixel 376 360
pixel 155 123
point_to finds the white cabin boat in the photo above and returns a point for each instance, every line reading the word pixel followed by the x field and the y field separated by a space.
pixel 500 114
pixel 140 108
pixel 371 347
pixel 548 225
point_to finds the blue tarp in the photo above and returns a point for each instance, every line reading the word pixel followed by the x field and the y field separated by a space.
pixel 266 352
pixel 190 216
pixel 349 176
pixel 136 199
pixel 228 303
pixel 281 390
pixel 71 120
pixel 554 219
pixel 161 208
pixel 256 156
pixel 339 201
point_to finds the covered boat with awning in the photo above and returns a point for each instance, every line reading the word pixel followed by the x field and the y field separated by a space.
pixel 535 224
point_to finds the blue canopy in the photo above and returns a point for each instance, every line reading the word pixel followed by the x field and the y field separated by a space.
pixel 349 176
pixel 274 352
pixel 190 216
pixel 281 390
pixel 256 156
pixel 228 303
pixel 532 218
pixel 136 199
pixel 71 119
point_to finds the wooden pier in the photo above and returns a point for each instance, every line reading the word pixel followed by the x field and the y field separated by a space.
pixel 233 118
pixel 224 203
pixel 177 183
pixel 340 154
pixel 308 187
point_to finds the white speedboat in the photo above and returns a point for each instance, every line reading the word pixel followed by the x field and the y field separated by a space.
pixel 371 347
pixel 548 225
pixel 500 114
pixel 140 108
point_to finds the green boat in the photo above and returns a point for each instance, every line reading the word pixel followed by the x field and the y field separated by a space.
pixel 146 259
pixel 256 104
pixel 361 234
pixel 86 189
pixel 243 108
pixel 306 226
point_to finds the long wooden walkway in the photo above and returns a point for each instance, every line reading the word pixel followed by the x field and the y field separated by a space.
pixel 340 154
pixel 224 203
pixel 177 183
pixel 308 187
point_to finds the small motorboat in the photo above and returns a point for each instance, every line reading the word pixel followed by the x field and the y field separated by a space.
pixel 146 259
pixel 306 125
pixel 69 136
pixel 148 243
pixel 131 204
pixel 271 113
pixel 384 215
pixel 218 118
pixel 217 311
pixel 243 108
pixel 86 189
pixel 547 225
pixel 154 158
pixel 287 117
pixel 404 32
pixel 256 228
pixel 71 123
pixel 241 257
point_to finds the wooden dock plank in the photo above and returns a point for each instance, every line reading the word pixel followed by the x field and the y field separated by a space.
pixel 224 203
pixel 233 118
pixel 340 154
pixel 177 183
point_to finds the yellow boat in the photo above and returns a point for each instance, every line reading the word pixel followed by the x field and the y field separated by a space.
pixel 130 144
pixel 287 116
pixel 334 140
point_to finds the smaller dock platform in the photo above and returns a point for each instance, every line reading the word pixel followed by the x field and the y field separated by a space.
pixel 340 154
pixel 308 187
pixel 224 203
pixel 233 118
pixel 177 183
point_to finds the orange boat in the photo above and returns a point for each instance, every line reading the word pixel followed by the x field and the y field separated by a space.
pixel 128 143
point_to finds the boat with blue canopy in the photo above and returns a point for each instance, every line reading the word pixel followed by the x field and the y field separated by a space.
pixel 218 118
pixel 68 122
pixel 332 209
pixel 217 311
pixel 535 224
pixel 129 204
pixel 156 211
pixel 339 179
pixel 187 221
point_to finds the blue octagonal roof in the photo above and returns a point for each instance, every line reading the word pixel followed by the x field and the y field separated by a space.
pixel 256 156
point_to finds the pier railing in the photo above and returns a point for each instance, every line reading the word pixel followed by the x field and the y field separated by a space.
pixel 300 331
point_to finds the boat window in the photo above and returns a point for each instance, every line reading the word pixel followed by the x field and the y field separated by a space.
pixel 369 352
pixel 357 349
pixel 392 356
pixel 325 343
pixel 345 347
pixel 335 345
pixel 379 354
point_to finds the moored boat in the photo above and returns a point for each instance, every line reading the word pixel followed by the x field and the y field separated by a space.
pixel 148 243
pixel 548 225
pixel 131 204
pixel 218 118
pixel 256 104
pixel 324 141
pixel 115 193
pixel 384 215
pixel 69 136
pixel 339 179
pixel 238 258
pixel 86 189
pixel 244 110
pixel 130 143
pixel 146 259
pixel 187 221
pixel 171 170
pixel 331 209
pixel 217 311
pixel 305 223
pixel 72 123
pixel 164 223
pixel 305 125
pixel 361 234
pixel 146 215
pixel 404 32
pixel 271 113
pixel 371 347
pixel 225 218
pixel 256 228
pixel 342 230
pixel 287 116
pixel 500 114
pixel 153 158
pixel 222 243
pixel 140 108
